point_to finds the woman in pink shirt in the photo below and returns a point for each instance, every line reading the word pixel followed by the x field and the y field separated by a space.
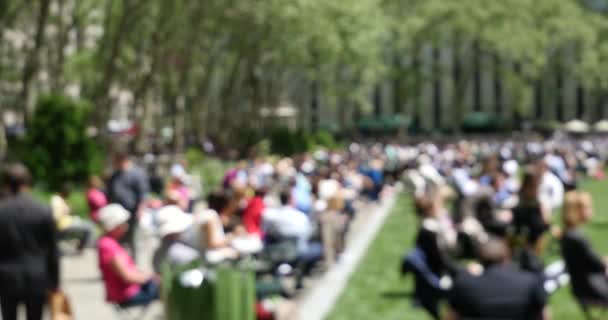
pixel 96 199
pixel 124 283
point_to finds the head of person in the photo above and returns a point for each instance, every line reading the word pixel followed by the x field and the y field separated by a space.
pixel 578 208
pixel 65 190
pixel 172 222
pixel 114 219
pixel 425 207
pixel 261 192
pixel 217 201
pixel 16 178
pixel 178 175
pixel 494 252
pixel 498 180
pixel 490 165
pixel 530 184
pixel 285 198
pixel 94 182
pixel 120 160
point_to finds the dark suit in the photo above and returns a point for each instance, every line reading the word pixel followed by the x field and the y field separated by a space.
pixel 29 261
pixel 502 292
pixel 587 270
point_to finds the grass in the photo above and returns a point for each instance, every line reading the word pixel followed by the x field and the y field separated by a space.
pixel 377 291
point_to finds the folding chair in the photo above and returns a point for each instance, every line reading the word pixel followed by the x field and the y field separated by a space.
pixel 128 312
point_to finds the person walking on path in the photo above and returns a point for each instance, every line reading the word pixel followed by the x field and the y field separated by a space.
pixel 128 187
pixel 29 259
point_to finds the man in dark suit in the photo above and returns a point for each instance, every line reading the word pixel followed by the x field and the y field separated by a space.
pixel 29 260
pixel 502 291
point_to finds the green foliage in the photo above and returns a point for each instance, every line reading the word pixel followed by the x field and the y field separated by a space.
pixel 287 142
pixel 56 146
pixel 194 156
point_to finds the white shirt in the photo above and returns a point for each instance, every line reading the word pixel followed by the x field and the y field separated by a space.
pixel 287 221
pixel 551 191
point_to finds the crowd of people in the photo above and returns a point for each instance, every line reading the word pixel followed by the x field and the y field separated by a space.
pixel 290 215
pixel 488 213
pixel 489 203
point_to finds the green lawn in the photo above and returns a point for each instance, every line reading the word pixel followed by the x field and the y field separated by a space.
pixel 377 291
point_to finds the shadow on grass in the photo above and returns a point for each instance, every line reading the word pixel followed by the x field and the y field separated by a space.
pixel 598 224
pixel 397 295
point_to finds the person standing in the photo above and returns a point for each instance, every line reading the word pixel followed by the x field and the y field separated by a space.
pixel 29 259
pixel 128 187
pixel 96 198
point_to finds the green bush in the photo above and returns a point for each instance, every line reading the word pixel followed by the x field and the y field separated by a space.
pixel 194 156
pixel 56 146
pixel 287 142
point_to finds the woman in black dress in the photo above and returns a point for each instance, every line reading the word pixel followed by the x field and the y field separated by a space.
pixel 588 270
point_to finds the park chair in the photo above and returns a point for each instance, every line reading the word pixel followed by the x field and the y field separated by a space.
pixel 131 312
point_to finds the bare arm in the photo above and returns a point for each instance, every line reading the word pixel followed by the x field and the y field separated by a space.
pixel 546 214
pixel 213 238
pixel 127 274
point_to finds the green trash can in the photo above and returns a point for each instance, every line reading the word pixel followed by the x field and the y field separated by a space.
pixel 223 293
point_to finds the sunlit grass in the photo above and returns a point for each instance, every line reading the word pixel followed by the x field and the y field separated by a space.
pixel 377 291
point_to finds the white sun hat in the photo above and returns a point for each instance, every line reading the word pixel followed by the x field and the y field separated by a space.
pixel 113 215
pixel 171 219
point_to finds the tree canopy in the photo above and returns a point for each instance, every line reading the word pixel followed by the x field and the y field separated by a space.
pixel 207 67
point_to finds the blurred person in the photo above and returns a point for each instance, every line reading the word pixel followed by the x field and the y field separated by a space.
pixel 96 198
pixel 531 217
pixel 490 167
pixel 587 269
pixel 124 283
pixel 252 215
pixel 502 291
pixel 286 222
pixel 551 189
pixel 69 225
pixel 129 187
pixel 29 258
pixel 206 235
pixel 177 192
pixel 172 222
pixel 436 237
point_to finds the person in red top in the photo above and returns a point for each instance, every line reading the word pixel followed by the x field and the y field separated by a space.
pixel 96 199
pixel 252 216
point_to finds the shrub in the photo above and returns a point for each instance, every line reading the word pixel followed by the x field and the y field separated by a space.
pixel 194 156
pixel 287 142
pixel 56 146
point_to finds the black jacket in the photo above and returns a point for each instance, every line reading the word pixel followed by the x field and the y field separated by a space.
pixel 501 292
pixel 29 260
pixel 586 268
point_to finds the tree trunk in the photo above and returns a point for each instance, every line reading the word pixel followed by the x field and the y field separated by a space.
pixel 57 73
pixel 32 61
pixel 127 22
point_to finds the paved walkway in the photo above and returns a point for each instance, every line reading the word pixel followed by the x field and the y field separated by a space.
pixel 319 301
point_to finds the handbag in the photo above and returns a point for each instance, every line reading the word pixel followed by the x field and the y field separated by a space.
pixel 59 306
